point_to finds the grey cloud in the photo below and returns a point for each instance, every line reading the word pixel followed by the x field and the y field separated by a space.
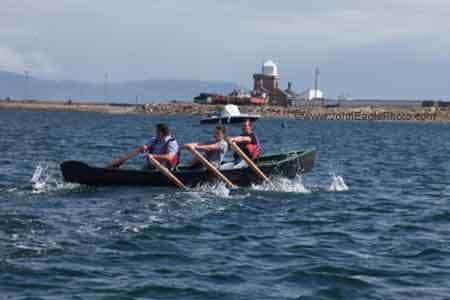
pixel 224 40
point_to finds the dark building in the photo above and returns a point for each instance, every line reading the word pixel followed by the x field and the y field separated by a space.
pixel 267 83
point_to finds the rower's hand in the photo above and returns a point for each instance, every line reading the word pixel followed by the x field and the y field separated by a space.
pixel 144 148
pixel 229 140
pixel 190 145
pixel 116 163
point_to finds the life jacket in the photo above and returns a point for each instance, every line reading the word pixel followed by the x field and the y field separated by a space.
pixel 254 149
pixel 164 150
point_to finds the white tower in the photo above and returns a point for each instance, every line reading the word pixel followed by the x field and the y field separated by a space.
pixel 269 68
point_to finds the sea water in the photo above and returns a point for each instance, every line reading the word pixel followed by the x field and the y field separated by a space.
pixel 372 221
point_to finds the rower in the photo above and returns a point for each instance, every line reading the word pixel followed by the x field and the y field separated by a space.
pixel 248 142
pixel 162 147
pixel 214 150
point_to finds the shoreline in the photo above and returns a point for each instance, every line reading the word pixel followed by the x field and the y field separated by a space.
pixel 363 113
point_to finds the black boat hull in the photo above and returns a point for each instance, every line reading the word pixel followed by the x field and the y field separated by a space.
pixel 284 164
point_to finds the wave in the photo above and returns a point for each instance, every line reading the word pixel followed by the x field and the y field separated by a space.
pixel 282 184
pixel 47 178
pixel 217 189
pixel 297 185
pixel 338 184
pixel 8 190
pixel 22 245
pixel 429 253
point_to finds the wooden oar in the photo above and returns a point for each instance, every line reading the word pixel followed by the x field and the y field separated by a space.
pixel 124 158
pixel 166 172
pixel 211 167
pixel 250 162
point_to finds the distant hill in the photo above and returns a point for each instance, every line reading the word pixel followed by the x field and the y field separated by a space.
pixel 16 86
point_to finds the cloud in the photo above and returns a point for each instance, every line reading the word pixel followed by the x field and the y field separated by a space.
pixel 11 60
pixel 226 40
pixel 35 62
pixel 351 24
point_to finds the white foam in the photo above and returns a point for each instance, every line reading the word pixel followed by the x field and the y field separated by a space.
pixel 218 189
pixel 47 178
pixel 34 244
pixel 8 190
pixel 337 184
pixel 132 227
pixel 281 184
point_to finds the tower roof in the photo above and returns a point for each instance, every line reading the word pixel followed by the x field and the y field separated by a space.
pixel 268 63
pixel 269 68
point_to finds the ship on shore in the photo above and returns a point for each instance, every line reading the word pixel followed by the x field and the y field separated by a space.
pixel 236 97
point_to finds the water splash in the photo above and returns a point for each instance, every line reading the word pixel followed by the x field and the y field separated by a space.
pixel 337 184
pixel 218 189
pixel 282 184
pixel 47 178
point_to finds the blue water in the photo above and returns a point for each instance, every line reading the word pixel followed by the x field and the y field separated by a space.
pixel 371 222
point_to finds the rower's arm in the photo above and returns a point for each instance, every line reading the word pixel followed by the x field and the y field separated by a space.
pixel 187 146
pixel 144 148
pixel 239 139
pixel 121 160
pixel 163 157
pixel 208 147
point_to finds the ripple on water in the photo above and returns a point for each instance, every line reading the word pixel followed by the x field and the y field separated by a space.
pixel 23 223
pixel 370 222
pixel 177 289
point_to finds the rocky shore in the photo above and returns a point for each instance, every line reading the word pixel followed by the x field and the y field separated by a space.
pixel 64 106
pixel 411 114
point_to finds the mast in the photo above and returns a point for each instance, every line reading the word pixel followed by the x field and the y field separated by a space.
pixel 105 87
pixel 316 82
pixel 25 84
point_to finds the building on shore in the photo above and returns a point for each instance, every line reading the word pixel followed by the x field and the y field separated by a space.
pixel 294 99
pixel 310 97
pixel 311 94
pixel 266 90
pixel 267 82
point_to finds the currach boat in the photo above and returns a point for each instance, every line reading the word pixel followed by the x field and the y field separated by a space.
pixel 286 164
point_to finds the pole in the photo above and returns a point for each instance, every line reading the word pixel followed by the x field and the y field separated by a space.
pixel 250 162
pixel 106 87
pixel 166 172
pixel 25 85
pixel 316 83
pixel 211 167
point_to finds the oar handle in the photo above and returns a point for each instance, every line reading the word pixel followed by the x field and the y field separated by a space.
pixel 210 166
pixel 166 172
pixel 249 162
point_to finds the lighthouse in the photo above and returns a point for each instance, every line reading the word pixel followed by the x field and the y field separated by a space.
pixel 268 82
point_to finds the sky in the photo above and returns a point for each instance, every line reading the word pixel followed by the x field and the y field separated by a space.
pixel 388 49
